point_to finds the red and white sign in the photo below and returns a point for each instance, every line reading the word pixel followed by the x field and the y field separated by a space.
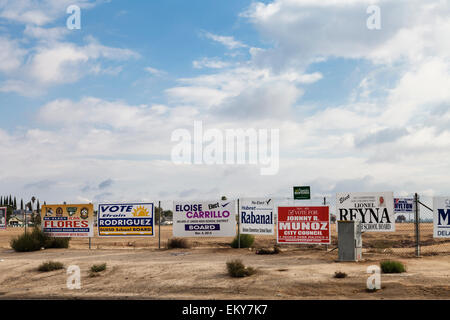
pixel 304 225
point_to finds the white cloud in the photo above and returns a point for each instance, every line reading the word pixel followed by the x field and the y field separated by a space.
pixel 55 63
pixel 11 55
pixel 154 71
pixel 38 13
pixel 303 31
pixel 227 41
pixel 213 63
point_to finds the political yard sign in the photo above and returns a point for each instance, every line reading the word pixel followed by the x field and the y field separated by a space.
pixel 256 216
pixel 307 225
pixel 204 218
pixel 2 218
pixel 375 210
pixel 126 219
pixel 302 193
pixel 441 217
pixel 403 205
pixel 68 220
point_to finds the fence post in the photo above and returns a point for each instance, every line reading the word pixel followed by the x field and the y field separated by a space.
pixel 329 225
pixel 417 224
pixel 239 224
pixel 159 226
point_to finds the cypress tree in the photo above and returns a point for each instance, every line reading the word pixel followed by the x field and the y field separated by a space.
pixel 15 203
pixel 21 204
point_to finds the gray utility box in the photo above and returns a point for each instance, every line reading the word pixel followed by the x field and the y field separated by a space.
pixel 349 240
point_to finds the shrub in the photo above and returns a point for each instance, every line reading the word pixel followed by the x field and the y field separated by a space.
pixel 339 274
pixel 237 269
pixel 275 250
pixel 50 266
pixel 246 241
pixel 57 243
pixel 25 243
pixel 35 240
pixel 392 267
pixel 180 243
pixel 98 267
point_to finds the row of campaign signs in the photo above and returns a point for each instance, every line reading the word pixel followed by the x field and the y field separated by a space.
pixel 295 224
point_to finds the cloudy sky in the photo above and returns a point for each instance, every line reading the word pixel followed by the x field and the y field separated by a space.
pixel 88 114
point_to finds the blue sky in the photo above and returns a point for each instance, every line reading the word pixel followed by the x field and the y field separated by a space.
pixel 352 105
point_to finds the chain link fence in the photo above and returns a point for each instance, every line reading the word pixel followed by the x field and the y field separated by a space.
pixel 405 241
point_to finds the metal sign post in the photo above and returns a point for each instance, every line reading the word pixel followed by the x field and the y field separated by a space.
pixel 239 224
pixel 417 222
pixel 159 226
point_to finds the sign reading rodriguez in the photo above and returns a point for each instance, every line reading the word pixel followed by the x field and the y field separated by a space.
pixel 310 225
pixel 68 220
pixel 126 219
pixel 204 218
pixel 375 210
pixel 441 217
pixel 256 216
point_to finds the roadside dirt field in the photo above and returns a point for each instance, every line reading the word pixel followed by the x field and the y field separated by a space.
pixel 136 269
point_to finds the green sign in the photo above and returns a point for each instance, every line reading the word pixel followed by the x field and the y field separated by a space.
pixel 302 193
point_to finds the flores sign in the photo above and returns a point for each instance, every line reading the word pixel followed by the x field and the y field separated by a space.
pixel 307 225
pixel 204 218
pixel 441 217
pixel 127 219
pixel 375 210
pixel 68 220
pixel 256 216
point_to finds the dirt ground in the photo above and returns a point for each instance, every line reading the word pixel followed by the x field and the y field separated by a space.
pixel 137 269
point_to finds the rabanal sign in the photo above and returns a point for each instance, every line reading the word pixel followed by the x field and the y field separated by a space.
pixel 307 225
pixel 126 219
pixel 441 217
pixel 68 220
pixel 256 216
pixel 375 210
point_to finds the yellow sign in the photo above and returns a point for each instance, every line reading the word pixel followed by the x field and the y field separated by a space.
pixel 68 220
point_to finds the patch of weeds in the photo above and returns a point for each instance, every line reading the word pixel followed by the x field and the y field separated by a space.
pixel 237 269
pixel 340 275
pixel 246 241
pixel 50 266
pixel 274 250
pixel 391 266
pixel 178 243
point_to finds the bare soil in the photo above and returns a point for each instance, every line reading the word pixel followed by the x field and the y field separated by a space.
pixel 137 269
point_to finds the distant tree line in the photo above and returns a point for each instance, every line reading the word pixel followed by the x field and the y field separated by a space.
pixel 11 205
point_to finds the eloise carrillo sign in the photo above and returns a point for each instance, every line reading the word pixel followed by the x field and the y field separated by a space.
pixel 204 218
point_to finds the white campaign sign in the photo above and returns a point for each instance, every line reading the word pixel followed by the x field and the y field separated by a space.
pixel 256 216
pixel 441 217
pixel 204 218
pixel 375 210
